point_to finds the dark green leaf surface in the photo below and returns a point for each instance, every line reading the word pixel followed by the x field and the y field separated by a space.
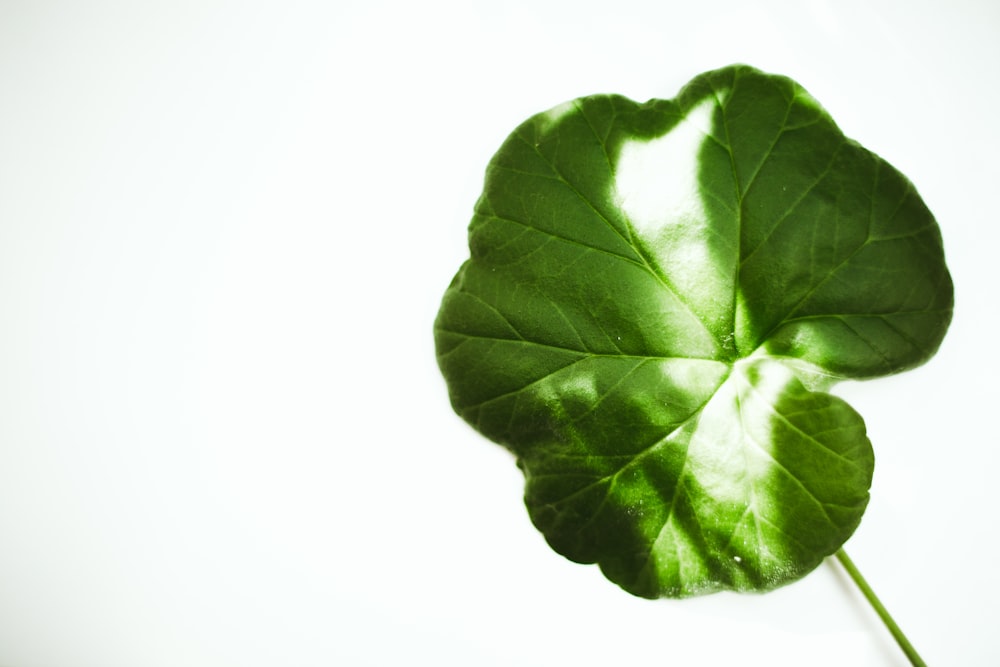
pixel 657 299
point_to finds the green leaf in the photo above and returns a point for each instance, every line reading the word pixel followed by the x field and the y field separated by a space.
pixel 658 298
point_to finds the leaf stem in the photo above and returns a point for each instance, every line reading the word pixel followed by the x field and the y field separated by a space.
pixel 880 609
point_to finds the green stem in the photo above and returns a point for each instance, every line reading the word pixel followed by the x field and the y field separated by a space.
pixel 880 609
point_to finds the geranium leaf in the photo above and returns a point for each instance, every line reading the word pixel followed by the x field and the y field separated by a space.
pixel 659 296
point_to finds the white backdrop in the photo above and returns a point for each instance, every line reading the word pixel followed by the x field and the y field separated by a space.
pixel 224 232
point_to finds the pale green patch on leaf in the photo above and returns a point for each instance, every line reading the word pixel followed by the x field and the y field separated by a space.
pixel 658 299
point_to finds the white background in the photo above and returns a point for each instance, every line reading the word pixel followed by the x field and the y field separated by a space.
pixel 224 232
